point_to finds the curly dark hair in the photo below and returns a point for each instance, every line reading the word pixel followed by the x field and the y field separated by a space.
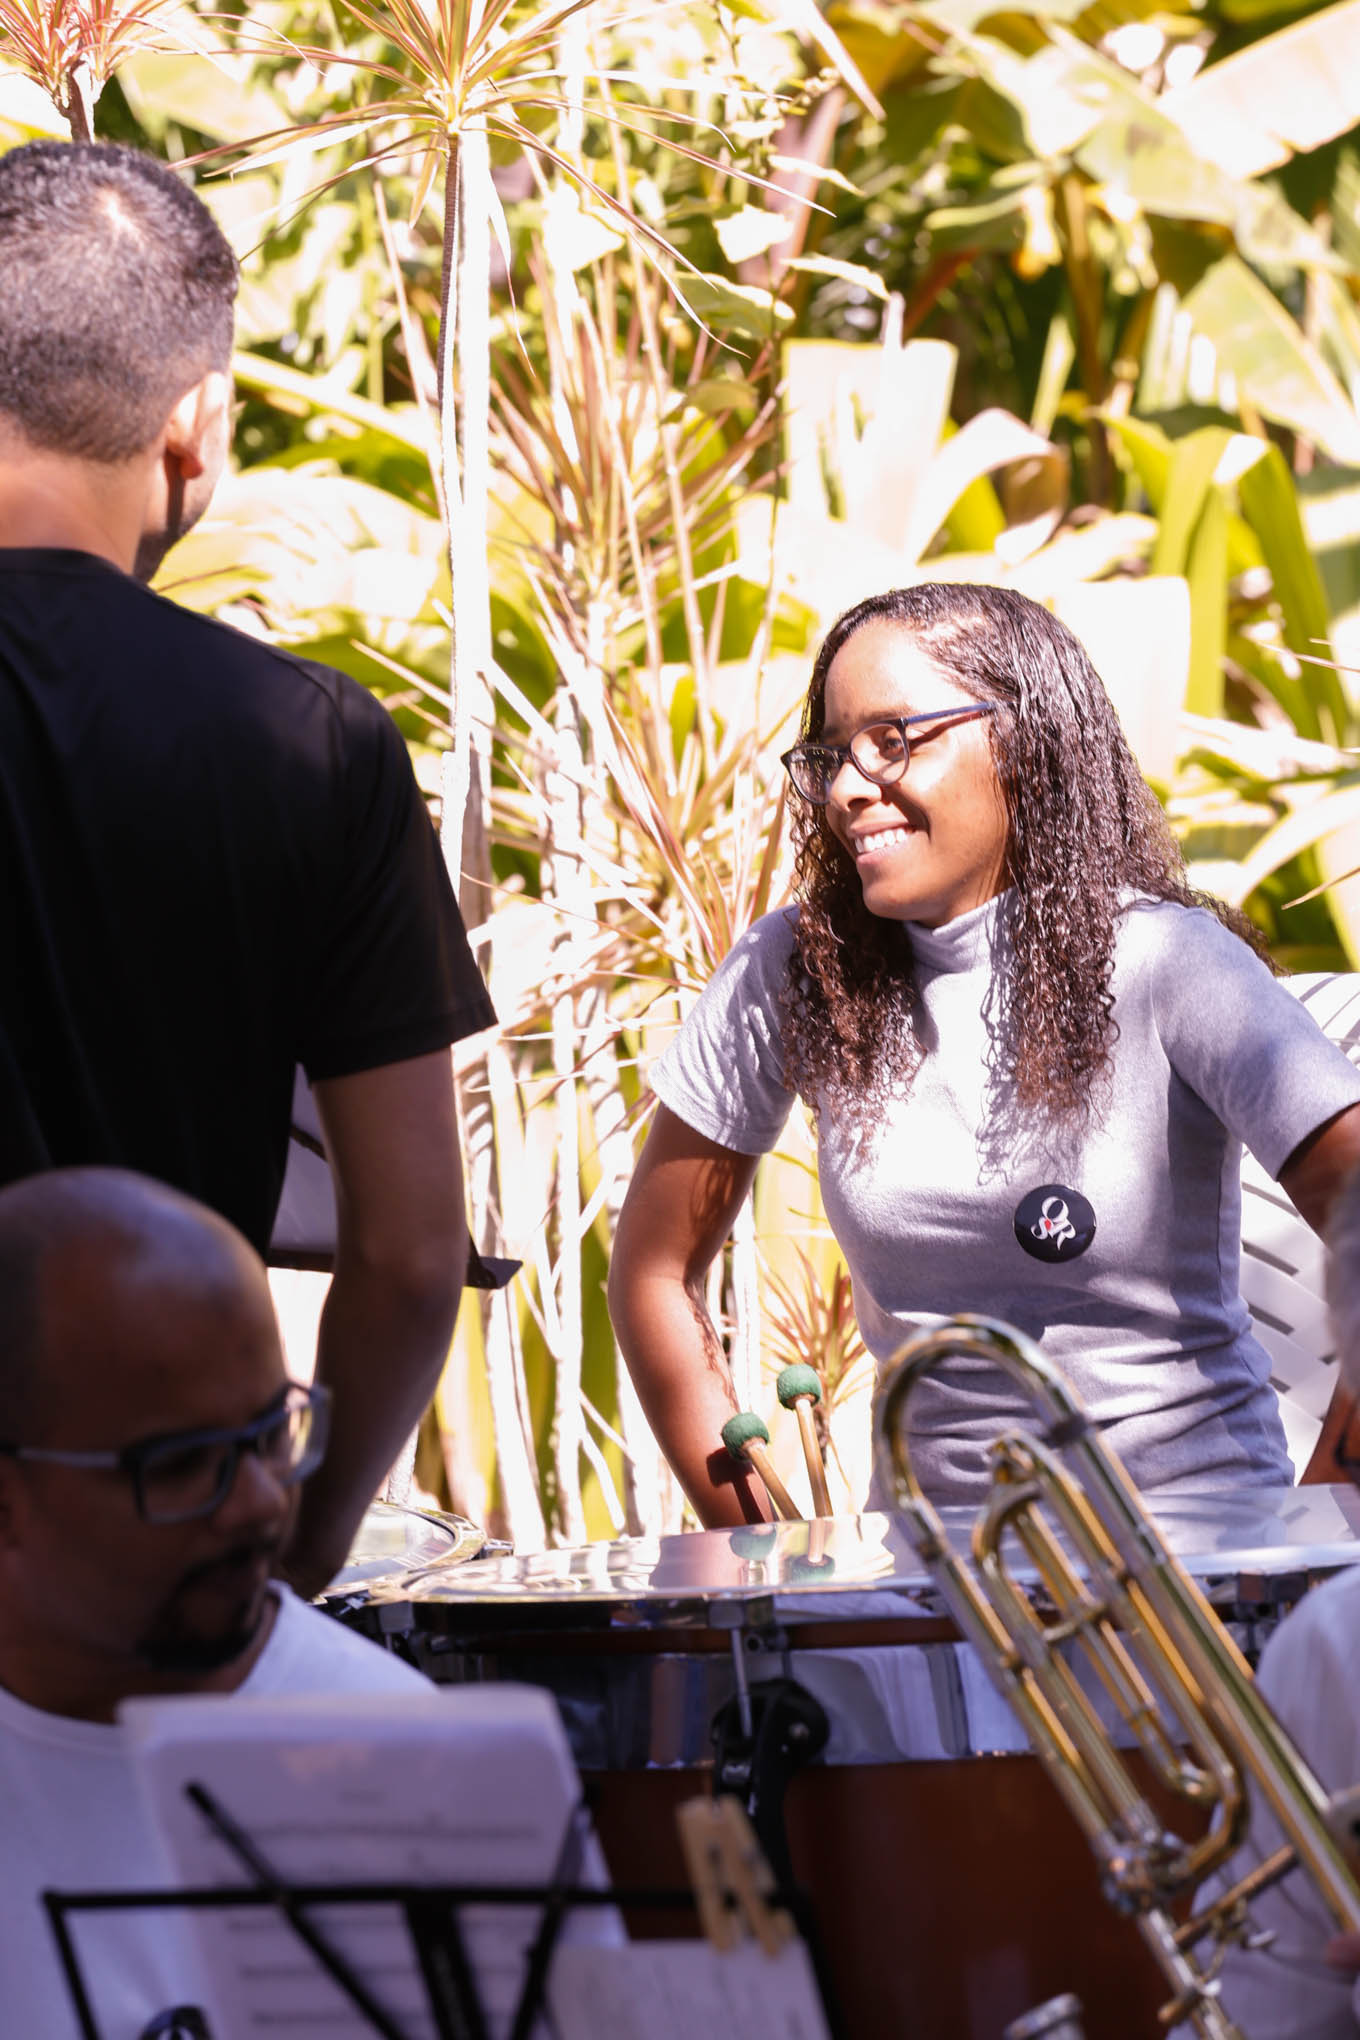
pixel 1076 802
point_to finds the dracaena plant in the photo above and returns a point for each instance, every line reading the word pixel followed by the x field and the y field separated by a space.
pixel 71 48
pixel 436 86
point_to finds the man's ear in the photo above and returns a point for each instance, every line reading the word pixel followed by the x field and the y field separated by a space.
pixel 200 420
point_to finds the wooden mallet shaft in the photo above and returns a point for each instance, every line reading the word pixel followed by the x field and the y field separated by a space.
pixel 746 1438
pixel 799 1389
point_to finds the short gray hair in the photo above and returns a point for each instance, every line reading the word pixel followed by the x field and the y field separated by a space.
pixel 117 297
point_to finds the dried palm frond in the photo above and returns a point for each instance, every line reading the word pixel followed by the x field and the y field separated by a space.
pixel 809 1320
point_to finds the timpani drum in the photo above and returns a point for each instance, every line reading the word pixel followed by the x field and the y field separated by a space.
pixel 399 1544
pixel 952 1890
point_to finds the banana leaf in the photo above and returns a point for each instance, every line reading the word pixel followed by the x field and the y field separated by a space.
pixel 1289 92
pixel 1276 367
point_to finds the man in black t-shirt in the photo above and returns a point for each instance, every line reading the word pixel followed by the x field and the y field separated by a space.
pixel 214 860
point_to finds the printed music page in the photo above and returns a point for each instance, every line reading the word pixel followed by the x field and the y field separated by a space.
pixel 673 1990
pixel 473 1784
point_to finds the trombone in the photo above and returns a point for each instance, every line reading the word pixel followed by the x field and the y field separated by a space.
pixel 1124 1607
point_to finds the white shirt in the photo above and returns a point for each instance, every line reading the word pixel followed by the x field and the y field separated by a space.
pixel 1310 1674
pixel 71 1819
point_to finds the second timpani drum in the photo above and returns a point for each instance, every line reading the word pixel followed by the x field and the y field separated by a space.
pixel 952 1889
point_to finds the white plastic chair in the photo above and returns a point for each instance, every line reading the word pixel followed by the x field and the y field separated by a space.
pixel 1282 1257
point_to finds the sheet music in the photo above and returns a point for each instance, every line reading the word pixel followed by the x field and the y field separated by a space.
pixel 472 1784
pixel 673 1990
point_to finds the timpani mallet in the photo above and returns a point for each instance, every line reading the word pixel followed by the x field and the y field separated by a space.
pixel 798 1389
pixel 746 1437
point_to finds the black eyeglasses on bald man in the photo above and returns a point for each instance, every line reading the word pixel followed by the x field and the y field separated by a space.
pixel 180 1475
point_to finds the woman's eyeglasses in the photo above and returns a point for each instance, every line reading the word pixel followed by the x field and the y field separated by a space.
pixel 881 752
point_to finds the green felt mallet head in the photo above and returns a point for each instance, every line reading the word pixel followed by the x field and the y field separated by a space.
pixel 799 1379
pixel 805 1568
pixel 746 1438
pixel 738 1432
pixel 753 1543
pixel 799 1390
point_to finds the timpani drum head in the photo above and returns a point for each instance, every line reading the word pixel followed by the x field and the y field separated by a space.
pixel 395 1543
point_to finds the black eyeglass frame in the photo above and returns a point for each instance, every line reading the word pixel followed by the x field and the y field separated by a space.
pixel 135 1459
pixel 840 753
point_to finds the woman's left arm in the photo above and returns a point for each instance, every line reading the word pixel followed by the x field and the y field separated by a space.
pixel 1311 1177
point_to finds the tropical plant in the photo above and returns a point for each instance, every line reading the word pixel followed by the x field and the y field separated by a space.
pixel 71 48
pixel 622 348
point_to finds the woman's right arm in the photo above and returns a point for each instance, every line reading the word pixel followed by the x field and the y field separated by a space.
pixel 684 1196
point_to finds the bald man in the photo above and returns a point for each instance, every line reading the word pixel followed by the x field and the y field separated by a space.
pixel 151 1455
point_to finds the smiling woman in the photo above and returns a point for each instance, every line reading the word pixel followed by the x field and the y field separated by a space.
pixel 1032 1051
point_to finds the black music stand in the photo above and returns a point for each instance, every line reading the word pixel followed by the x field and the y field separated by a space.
pixel 305 1224
pixel 431 1913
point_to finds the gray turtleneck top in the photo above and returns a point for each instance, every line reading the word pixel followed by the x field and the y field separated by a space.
pixel 954 1204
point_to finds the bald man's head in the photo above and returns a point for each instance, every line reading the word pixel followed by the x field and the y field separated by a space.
pixel 137 1332
pixel 80 1248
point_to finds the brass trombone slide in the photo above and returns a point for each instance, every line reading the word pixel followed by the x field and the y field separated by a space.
pixel 1124 1606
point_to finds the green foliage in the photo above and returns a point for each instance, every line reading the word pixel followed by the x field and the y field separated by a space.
pixel 781 304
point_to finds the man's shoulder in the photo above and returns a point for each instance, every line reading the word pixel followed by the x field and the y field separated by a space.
pixel 311 1652
pixel 163 647
pixel 217 648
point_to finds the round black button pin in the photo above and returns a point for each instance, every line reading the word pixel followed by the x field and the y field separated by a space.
pixel 1054 1223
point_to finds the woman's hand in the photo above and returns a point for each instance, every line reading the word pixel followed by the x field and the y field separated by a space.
pixel 681 1204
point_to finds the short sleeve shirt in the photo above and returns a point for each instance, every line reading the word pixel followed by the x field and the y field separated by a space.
pixel 1310 1676
pixel 215 864
pixel 1117 1250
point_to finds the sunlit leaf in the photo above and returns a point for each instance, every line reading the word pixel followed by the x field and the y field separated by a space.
pixel 751 231
pixel 210 94
pixel 26 111
pixel 734 307
pixel 1290 91
pixel 987 443
pixel 1191 478
pixel 853 273
pixel 1266 493
pixel 1149 161
pixel 1138 634
pixel 1275 365
pixel 1305 826
pixel 255 372
pixel 1329 499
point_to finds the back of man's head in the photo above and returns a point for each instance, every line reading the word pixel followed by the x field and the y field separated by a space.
pixel 116 293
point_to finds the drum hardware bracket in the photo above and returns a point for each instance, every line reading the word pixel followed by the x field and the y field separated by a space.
pixel 762 1737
